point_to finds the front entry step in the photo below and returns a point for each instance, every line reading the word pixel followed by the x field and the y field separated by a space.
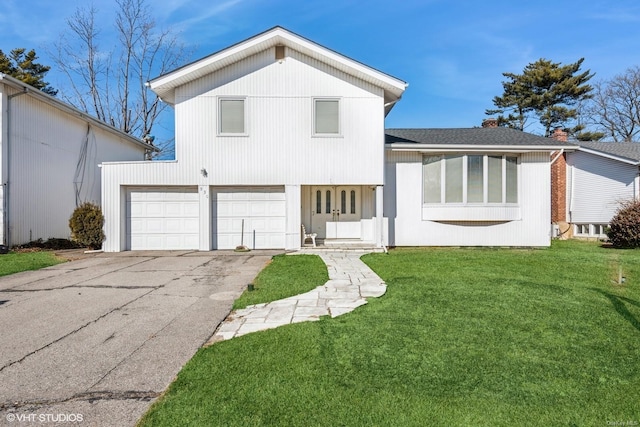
pixel 343 245
pixel 346 242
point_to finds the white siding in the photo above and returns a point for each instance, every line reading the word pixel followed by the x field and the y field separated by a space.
pixel 599 184
pixel 48 172
pixel 279 148
pixel 403 208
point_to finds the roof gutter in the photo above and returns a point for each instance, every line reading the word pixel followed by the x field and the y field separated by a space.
pixel 446 148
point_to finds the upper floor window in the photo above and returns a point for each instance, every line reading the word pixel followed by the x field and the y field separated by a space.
pixel 470 179
pixel 326 116
pixel 232 116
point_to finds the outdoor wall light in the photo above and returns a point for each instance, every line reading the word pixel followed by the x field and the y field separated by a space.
pixel 204 173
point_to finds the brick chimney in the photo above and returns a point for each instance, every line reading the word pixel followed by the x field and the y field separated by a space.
pixel 559 185
pixel 559 135
pixel 490 123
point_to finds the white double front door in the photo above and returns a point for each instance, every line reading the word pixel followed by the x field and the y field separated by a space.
pixel 334 204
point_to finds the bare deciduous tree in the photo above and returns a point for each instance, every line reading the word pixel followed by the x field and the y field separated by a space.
pixel 615 107
pixel 110 84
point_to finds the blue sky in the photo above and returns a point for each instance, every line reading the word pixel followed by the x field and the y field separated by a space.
pixel 452 53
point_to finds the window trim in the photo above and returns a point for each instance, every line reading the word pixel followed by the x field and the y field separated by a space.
pixel 314 131
pixel 246 115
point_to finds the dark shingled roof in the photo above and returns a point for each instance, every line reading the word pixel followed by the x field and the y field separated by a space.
pixel 469 136
pixel 627 150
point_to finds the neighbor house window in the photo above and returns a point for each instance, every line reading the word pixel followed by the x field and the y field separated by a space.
pixel 326 116
pixel 232 118
pixel 590 230
pixel 470 179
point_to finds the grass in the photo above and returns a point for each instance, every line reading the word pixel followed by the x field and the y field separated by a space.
pixel 15 262
pixel 496 337
pixel 285 276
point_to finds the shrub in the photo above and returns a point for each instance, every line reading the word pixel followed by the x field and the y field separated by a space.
pixel 86 225
pixel 624 230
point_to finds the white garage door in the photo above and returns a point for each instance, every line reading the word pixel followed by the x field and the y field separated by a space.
pixel 162 219
pixel 263 211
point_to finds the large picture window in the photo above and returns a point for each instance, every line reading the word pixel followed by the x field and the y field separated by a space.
pixel 232 116
pixel 326 117
pixel 473 179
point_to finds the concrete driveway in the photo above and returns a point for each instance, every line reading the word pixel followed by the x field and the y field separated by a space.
pixel 95 341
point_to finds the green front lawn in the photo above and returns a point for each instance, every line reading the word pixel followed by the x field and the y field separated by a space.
pixel 497 337
pixel 285 276
pixel 15 262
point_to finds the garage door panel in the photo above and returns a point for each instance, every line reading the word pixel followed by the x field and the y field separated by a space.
pixel 263 211
pixel 240 208
pixel 221 209
pixel 162 219
pixel 228 241
pixel 191 210
pixel 224 225
pixel 277 223
pixel 224 195
pixel 259 209
pixel 136 209
pixel 136 226
pixel 174 225
pixel 173 209
pixel 153 209
pixel 192 226
pixel 153 225
pixel 258 224
pixel 269 240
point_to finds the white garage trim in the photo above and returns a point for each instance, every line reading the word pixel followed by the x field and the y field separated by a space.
pixel 263 210
pixel 163 218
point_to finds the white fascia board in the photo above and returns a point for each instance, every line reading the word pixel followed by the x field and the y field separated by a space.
pixel 474 148
pixel 610 156
pixel 353 66
pixel 56 103
pixel 206 62
pixel 164 84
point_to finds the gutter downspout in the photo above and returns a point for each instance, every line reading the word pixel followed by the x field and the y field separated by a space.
pixel 560 153
pixel 6 184
pixel 571 188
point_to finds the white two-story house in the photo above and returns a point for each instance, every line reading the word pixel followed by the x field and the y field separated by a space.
pixel 271 133
pixel 277 132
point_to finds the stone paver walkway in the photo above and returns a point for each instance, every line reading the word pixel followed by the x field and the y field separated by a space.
pixel 350 282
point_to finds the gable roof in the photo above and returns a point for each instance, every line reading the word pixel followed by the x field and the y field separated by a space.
pixel 56 103
pixel 627 152
pixel 164 85
pixel 456 139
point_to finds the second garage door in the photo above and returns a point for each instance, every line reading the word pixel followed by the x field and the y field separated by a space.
pixel 263 211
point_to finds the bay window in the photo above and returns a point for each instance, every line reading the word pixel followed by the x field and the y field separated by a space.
pixel 470 179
